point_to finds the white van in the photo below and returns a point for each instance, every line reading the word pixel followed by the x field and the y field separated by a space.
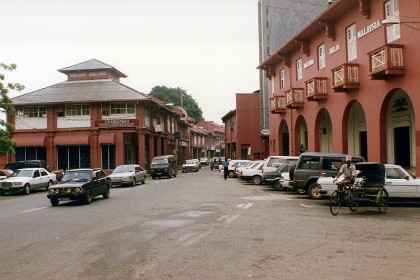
pixel 271 163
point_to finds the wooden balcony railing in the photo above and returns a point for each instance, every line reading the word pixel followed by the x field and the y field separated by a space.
pixel 345 77
pixel 278 104
pixel 386 61
pixel 316 89
pixel 294 98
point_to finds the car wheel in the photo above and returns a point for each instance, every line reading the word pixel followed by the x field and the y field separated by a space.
pixel 231 174
pixel 313 192
pixel 26 189
pixel 134 182
pixel 256 180
pixel 50 183
pixel 88 197
pixel 54 201
pixel 278 186
pixel 107 193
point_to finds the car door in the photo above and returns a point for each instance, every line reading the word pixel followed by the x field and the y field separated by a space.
pixel 398 184
pixel 36 181
pixel 44 179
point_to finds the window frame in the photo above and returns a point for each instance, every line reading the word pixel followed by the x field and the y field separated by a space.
pixel 321 56
pixel 351 41
pixel 281 75
pixel 393 31
pixel 122 108
pixel 77 110
pixel 299 69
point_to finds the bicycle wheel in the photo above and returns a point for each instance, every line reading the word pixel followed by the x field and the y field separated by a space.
pixel 382 200
pixel 353 205
pixel 335 203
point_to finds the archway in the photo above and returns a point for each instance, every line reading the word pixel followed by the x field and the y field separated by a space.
pixel 301 134
pixel 400 129
pixel 284 138
pixel 356 137
pixel 323 139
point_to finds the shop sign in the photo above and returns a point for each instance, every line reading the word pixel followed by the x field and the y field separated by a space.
pixel 371 27
pixel 308 63
pixel 116 123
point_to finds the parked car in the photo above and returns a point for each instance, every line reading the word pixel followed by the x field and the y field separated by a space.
pixel 271 163
pixel 234 164
pixel 128 174
pixel 198 162
pixel 204 161
pixel 310 166
pixel 252 171
pixel 163 166
pixel 269 177
pixel 27 179
pixel 398 182
pixel 282 183
pixel 27 164
pixel 5 173
pixel 190 165
pixel 81 185
pixel 251 164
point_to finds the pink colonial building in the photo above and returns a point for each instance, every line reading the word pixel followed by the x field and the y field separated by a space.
pixel 348 82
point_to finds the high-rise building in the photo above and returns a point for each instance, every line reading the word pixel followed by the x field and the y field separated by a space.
pixel 278 21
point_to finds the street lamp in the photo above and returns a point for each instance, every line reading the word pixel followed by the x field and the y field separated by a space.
pixel 393 21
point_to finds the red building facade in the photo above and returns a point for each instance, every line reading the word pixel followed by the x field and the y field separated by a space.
pixel 92 120
pixel 348 83
pixel 242 129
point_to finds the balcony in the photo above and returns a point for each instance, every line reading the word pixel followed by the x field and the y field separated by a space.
pixel 294 98
pixel 278 104
pixel 387 61
pixel 316 89
pixel 346 77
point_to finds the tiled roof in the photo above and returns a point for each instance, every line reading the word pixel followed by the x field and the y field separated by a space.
pixel 81 91
pixel 92 64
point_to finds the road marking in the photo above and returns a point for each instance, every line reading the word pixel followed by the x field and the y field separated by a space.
pixel 27 211
pixel 231 219
pixel 248 205
pixel 304 205
pixel 240 205
pixel 196 238
pixel 224 217
pixel 124 190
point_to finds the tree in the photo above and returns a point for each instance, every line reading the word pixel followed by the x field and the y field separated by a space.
pixel 6 107
pixel 173 95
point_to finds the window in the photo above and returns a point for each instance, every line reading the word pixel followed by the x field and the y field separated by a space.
pixel 29 153
pixel 321 56
pixel 272 86
pixel 309 163
pixel 71 157
pixel 351 43
pixel 281 78
pixel 299 69
pixel 33 112
pixel 122 108
pixel 392 12
pixel 108 156
pixel 78 110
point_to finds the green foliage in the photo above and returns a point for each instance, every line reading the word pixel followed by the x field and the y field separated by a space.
pixel 173 95
pixel 6 106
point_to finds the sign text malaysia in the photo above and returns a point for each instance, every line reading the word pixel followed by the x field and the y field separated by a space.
pixel 116 123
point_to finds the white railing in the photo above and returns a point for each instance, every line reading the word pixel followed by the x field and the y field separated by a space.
pixel 397 57
pixel 353 74
pixel 378 60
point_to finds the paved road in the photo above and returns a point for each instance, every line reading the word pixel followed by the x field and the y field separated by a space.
pixel 199 226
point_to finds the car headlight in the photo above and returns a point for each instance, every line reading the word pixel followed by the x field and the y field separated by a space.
pixel 51 190
pixel 78 189
pixel 17 183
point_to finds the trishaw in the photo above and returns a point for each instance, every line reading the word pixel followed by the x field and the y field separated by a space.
pixel 368 187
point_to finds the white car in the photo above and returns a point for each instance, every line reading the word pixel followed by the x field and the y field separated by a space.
pixel 27 179
pixel 248 173
pixel 398 182
pixel 233 164
pixel 282 183
pixel 250 164
pixel 128 174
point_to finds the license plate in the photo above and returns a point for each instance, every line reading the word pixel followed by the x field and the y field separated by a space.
pixel 64 198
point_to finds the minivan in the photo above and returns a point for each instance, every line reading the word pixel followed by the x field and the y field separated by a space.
pixel 310 166
pixel 163 166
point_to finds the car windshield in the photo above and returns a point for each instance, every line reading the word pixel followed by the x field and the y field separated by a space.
pixel 190 161
pixel 22 173
pixel 124 168
pixel 77 176
pixel 160 161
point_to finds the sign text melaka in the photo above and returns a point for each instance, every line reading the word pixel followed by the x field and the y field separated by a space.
pixel 116 123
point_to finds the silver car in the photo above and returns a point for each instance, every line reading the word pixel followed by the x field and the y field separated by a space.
pixel 128 174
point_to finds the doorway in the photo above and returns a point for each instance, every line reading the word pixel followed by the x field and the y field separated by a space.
pixel 363 145
pixel 402 145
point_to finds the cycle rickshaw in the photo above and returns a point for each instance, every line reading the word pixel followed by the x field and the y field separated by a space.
pixel 367 188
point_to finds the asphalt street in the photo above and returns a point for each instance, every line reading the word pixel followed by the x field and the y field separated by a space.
pixel 199 226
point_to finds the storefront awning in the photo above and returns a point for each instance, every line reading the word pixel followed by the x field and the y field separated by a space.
pixel 107 138
pixel 71 139
pixel 29 139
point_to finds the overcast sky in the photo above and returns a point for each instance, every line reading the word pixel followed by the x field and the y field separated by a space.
pixel 207 47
